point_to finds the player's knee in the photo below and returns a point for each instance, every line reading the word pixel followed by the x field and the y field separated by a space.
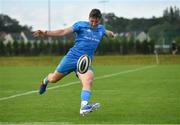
pixel 89 80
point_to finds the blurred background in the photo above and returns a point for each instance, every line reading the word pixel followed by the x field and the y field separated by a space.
pixel 142 26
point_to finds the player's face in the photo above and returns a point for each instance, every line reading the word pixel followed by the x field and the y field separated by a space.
pixel 94 22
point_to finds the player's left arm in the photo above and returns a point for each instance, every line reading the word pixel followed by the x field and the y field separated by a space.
pixel 110 33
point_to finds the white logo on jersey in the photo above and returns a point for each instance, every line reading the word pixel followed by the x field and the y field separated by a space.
pixel 88 30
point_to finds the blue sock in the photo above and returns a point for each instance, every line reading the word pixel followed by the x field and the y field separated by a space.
pixel 45 81
pixel 85 96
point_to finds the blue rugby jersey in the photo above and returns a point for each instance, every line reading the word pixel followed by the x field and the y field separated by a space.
pixel 87 39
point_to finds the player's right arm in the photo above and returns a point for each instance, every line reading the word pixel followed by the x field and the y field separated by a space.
pixel 60 32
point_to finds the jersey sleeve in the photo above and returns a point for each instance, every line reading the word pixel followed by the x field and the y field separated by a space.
pixel 76 26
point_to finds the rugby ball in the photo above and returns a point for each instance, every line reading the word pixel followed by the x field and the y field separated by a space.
pixel 83 64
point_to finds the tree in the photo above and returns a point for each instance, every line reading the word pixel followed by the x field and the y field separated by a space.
pixel 172 14
pixel 10 25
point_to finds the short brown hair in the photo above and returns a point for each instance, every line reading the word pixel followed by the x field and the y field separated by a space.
pixel 95 13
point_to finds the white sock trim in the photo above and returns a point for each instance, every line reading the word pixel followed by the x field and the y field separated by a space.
pixel 83 103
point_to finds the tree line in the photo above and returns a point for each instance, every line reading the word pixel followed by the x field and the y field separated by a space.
pixel 166 27
pixel 161 30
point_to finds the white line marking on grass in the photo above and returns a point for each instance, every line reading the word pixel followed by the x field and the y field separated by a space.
pixel 75 82
pixel 124 72
pixel 36 123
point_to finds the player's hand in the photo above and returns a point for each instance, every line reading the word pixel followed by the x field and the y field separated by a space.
pixel 111 34
pixel 115 35
pixel 39 33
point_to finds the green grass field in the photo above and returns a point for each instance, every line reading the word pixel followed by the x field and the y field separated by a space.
pixel 131 90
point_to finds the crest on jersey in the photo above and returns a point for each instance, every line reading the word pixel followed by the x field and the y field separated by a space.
pixel 88 30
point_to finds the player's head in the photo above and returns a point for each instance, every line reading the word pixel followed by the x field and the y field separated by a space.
pixel 95 17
